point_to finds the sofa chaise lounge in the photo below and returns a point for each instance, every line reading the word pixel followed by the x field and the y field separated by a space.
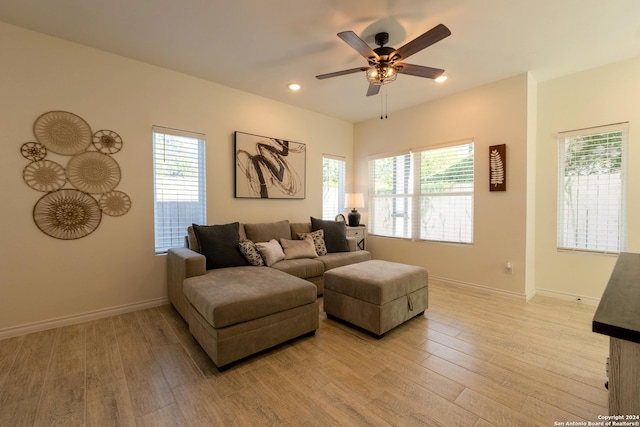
pixel 234 309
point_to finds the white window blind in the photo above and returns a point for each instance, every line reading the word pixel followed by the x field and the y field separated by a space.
pixel 179 185
pixel 426 194
pixel 591 189
pixel 445 198
pixel 333 186
pixel 390 196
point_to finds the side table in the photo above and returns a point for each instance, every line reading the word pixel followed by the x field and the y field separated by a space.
pixel 360 234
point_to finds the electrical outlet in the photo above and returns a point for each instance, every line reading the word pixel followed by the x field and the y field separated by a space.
pixel 508 268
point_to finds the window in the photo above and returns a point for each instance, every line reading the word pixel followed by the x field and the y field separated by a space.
pixel 333 186
pixel 591 189
pixel 179 185
pixel 426 194
pixel 390 196
pixel 446 194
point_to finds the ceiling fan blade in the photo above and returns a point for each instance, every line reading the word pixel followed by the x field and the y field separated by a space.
pixel 419 70
pixel 432 36
pixel 373 89
pixel 358 44
pixel 342 73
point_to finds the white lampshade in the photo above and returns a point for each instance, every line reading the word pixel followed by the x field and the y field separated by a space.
pixel 355 200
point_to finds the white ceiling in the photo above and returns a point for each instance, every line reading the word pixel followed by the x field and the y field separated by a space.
pixel 260 46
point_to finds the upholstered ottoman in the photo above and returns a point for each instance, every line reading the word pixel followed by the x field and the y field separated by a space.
pixel 238 311
pixel 376 295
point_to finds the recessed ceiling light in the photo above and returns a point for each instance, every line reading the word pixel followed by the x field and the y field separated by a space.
pixel 294 86
pixel 441 78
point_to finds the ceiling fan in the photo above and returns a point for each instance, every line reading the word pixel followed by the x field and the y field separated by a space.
pixel 386 62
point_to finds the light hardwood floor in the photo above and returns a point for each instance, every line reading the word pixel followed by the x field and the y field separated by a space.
pixel 474 359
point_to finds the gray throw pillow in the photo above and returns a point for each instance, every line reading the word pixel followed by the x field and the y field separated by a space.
pixel 335 234
pixel 302 248
pixel 219 244
pixel 271 252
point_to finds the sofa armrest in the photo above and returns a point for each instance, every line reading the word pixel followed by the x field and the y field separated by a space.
pixel 352 242
pixel 182 263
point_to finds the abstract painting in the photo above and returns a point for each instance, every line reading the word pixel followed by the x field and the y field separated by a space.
pixel 269 168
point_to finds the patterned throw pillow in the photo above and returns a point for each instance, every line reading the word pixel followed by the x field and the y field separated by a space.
pixel 250 252
pixel 318 241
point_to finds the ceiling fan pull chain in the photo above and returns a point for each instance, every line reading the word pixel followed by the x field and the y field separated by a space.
pixel 386 104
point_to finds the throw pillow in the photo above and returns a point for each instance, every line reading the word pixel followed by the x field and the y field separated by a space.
pixel 250 252
pixel 219 244
pixel 298 248
pixel 271 252
pixel 318 241
pixel 335 234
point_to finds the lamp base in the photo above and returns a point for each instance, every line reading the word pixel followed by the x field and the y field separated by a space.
pixel 354 218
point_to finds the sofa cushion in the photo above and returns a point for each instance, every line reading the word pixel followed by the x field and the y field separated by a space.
pixel 302 248
pixel 271 252
pixel 338 259
pixel 304 268
pixel 264 232
pixel 219 244
pixel 229 296
pixel 318 241
pixel 335 234
pixel 250 252
pixel 299 227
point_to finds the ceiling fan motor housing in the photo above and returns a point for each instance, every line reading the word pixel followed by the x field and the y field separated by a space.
pixel 382 39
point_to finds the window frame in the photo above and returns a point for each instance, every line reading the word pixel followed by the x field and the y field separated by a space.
pixel 171 233
pixel 406 189
pixel 582 243
pixel 461 193
pixel 341 185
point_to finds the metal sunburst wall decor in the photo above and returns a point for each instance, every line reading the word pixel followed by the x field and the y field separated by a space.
pixel 91 175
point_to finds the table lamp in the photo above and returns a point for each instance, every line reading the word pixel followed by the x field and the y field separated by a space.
pixel 355 201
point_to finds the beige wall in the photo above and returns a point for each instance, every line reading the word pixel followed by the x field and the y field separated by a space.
pixel 595 97
pixel 42 278
pixel 491 114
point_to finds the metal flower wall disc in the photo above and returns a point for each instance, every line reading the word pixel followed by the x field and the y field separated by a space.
pixel 62 132
pixel 93 172
pixel 115 203
pixel 33 151
pixel 107 141
pixel 72 213
pixel 67 214
pixel 44 175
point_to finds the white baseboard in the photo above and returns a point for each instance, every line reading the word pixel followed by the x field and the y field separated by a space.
pixel 483 288
pixel 522 297
pixel 79 318
pixel 568 297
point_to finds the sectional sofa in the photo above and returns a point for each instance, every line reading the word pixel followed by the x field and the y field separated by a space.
pixel 244 288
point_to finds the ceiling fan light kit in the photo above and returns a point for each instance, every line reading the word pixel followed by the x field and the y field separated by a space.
pixel 382 74
pixel 385 63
